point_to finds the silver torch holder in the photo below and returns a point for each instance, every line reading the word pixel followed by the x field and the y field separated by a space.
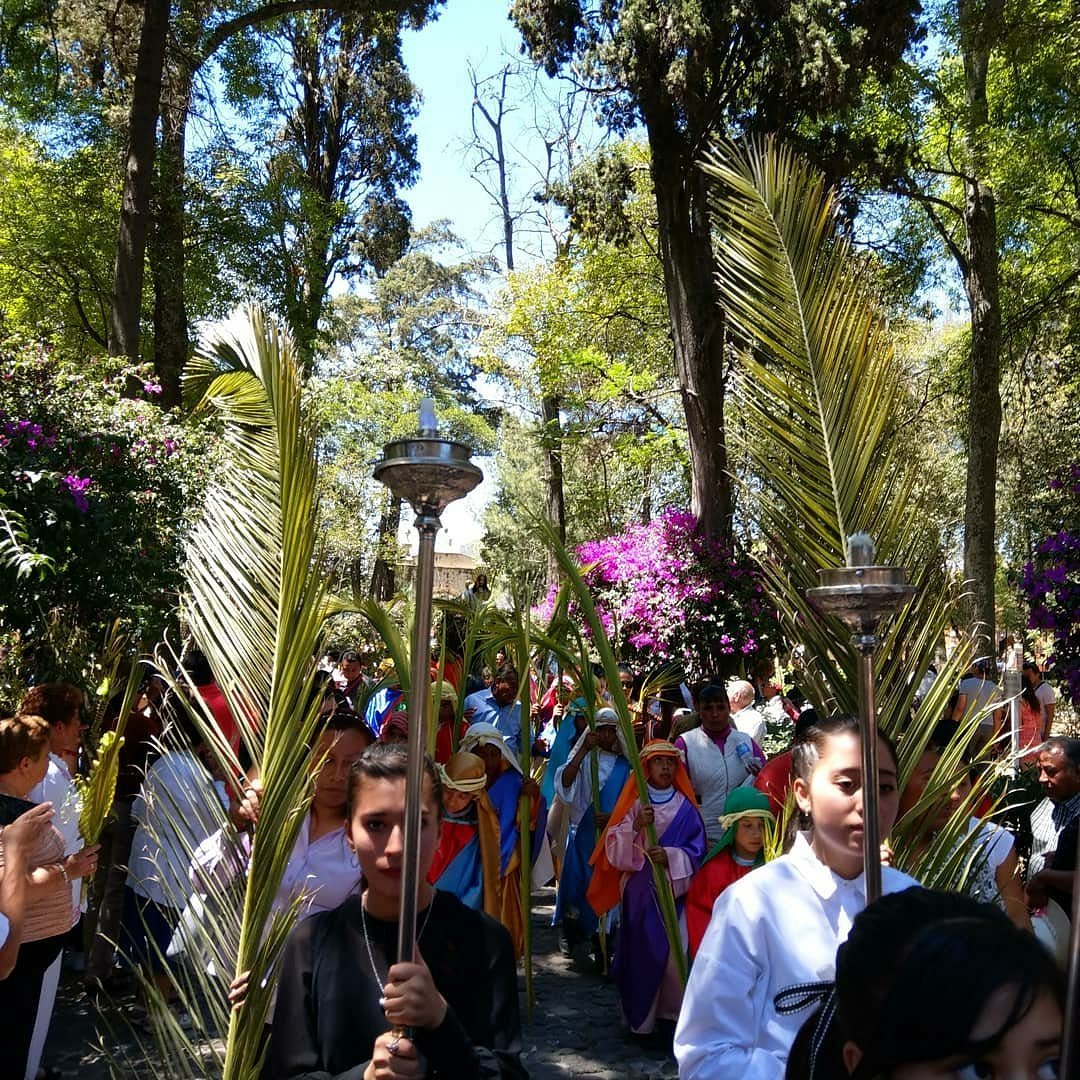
pixel 429 473
pixel 862 595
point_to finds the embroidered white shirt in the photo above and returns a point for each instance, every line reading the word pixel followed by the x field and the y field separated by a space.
pixel 774 929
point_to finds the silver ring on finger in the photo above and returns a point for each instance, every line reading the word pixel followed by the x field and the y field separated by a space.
pixel 393 1046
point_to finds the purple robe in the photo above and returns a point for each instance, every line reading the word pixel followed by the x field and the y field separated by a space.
pixel 642 952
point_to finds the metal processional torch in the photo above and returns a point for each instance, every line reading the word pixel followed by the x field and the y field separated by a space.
pixel 429 473
pixel 861 595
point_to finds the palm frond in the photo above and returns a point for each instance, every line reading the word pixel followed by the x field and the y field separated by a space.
pixel 820 395
pixel 256 607
pixel 575 585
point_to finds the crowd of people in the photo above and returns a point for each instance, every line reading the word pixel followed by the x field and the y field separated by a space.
pixel 755 862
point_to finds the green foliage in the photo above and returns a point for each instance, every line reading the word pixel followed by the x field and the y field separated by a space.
pixel 823 400
pixel 410 336
pixel 591 329
pixel 329 198
pixel 58 216
pixel 257 610
pixel 102 481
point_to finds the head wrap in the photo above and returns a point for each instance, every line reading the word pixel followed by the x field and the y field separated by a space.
pixel 397 721
pixel 742 802
pixel 484 734
pixel 464 772
pixel 604 892
pixel 604 718
pixel 445 693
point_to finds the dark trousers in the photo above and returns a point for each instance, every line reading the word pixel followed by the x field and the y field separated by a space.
pixel 19 994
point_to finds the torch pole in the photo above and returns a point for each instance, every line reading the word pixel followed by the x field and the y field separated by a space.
pixel 427 525
pixel 864 645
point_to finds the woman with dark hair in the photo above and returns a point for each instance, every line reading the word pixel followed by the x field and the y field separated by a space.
pixel 343 1000
pixel 770 947
pixel 932 984
pixel 322 869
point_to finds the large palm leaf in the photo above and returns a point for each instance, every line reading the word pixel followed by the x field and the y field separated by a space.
pixel 256 606
pixel 821 400
pixel 822 406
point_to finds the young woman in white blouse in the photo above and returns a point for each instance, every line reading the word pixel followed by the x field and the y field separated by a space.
pixel 323 868
pixel 770 950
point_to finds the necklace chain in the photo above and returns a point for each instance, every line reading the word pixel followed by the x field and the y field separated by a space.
pixel 367 942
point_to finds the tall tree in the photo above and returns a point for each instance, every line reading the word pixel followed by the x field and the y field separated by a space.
pixel 979 137
pixel 193 33
pixel 343 153
pixel 410 337
pixel 697 70
pixel 557 126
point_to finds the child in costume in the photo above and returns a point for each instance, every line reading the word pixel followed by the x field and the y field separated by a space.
pixel 768 957
pixel 574 784
pixel 644 970
pixel 736 853
pixel 466 861
pixel 505 788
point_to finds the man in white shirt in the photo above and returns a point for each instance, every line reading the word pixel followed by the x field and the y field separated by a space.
pixel 744 716
pixel 978 695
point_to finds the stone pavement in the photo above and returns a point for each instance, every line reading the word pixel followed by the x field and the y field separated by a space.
pixel 574 1031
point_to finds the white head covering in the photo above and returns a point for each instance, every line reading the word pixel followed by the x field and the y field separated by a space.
pixel 604 718
pixel 483 734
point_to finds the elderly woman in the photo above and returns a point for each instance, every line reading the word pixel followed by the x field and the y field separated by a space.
pixel 24 761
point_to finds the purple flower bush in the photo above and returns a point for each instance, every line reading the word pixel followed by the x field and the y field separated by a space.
pixel 1051 586
pixel 666 594
pixel 103 480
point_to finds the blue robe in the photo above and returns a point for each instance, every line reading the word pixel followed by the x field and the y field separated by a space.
pixel 580 842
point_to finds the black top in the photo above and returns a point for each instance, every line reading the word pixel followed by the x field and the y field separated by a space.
pixel 12 808
pixel 328 1016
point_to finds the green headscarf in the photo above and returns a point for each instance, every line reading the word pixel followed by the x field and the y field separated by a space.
pixel 743 802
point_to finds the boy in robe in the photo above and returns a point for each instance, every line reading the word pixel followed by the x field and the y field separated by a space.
pixel 466 861
pixel 505 787
pixel 574 785
pixel 644 970
pixel 740 850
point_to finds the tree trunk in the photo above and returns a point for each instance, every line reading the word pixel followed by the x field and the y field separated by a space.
pixel 979 24
pixel 167 254
pixel 138 178
pixel 697 326
pixel 382 576
pixel 554 501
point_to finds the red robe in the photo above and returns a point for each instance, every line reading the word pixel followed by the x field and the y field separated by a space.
pixel 709 882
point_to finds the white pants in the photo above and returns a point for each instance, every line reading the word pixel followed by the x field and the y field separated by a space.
pixel 49 983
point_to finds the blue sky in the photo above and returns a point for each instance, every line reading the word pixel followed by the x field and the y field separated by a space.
pixel 467 31
pixel 476 32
